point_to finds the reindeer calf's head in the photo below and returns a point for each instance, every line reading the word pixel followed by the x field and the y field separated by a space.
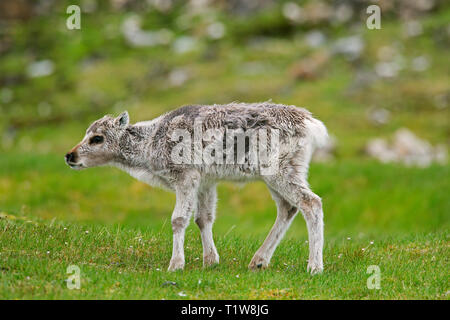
pixel 100 145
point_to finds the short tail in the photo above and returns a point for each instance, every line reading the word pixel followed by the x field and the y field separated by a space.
pixel 317 132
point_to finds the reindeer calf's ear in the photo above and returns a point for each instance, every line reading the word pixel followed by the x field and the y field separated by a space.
pixel 123 119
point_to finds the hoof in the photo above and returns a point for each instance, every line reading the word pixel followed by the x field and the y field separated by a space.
pixel 315 268
pixel 258 263
pixel 176 264
pixel 210 260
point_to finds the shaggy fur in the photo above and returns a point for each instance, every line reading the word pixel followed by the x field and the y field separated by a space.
pixel 145 151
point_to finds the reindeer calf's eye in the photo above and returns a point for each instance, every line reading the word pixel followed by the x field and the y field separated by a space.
pixel 96 140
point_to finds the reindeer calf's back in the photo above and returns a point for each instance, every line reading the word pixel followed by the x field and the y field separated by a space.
pixel 289 122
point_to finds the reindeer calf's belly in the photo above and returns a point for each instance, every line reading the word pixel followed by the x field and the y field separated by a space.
pixel 148 178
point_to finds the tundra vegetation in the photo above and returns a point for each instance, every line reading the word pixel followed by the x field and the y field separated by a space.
pixel 363 84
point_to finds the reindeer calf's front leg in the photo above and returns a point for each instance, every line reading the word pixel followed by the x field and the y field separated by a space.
pixel 204 218
pixel 186 193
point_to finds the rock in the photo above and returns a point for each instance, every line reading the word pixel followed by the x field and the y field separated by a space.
pixel 351 47
pixel 216 30
pixel 408 149
pixel 386 53
pixel 411 150
pixel 293 12
pixel 362 79
pixel 379 116
pixel 441 100
pixel 184 44
pixel 118 4
pixel 311 67
pixel 390 62
pixel 420 64
pixel 136 37
pixel 315 38
pixel 441 154
pixel 412 28
pixel 89 6
pixel 408 9
pixel 163 6
pixel 343 13
pixel 196 6
pixel 418 5
pixel 40 69
pixel 242 7
pixel 379 149
pixel 16 10
pixel 317 12
pixel 387 69
pixel 178 77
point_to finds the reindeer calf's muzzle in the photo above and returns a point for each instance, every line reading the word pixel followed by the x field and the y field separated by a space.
pixel 70 157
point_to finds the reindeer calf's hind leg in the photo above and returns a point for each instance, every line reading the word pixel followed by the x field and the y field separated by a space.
pixel 298 194
pixel 204 218
pixel 285 214
pixel 311 207
pixel 313 214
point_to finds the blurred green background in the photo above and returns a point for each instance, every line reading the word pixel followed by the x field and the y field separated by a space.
pixel 149 57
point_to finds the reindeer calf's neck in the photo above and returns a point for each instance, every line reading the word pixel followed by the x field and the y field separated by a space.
pixel 135 156
pixel 135 149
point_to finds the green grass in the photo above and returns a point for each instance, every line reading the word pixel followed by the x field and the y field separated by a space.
pixel 122 263
pixel 126 251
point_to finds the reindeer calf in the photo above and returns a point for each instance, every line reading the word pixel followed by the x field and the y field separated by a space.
pixel 190 149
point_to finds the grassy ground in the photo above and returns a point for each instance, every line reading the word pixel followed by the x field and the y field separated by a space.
pixel 404 211
pixel 127 246
pixel 120 263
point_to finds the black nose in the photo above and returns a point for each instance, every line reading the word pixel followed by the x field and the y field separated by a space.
pixel 70 157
